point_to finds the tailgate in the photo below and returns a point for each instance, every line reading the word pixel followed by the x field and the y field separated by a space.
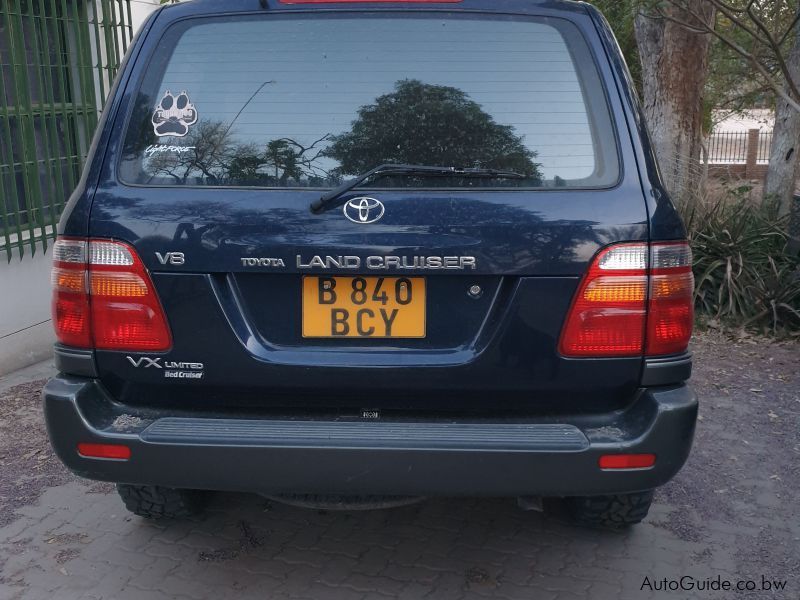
pixel 411 291
pixel 492 347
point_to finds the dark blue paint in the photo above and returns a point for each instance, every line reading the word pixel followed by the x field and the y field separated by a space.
pixel 531 249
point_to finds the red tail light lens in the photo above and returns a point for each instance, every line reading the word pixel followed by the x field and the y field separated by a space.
pixel 670 316
pixel 103 298
pixel 608 314
pixel 623 307
pixel 70 306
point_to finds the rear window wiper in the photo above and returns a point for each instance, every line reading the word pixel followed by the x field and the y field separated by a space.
pixel 392 169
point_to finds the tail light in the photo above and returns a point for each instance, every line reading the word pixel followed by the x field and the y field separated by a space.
pixel 103 298
pixel 635 299
pixel 670 318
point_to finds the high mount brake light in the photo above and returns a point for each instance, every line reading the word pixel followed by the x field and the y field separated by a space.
pixel 376 1
pixel 635 299
pixel 103 298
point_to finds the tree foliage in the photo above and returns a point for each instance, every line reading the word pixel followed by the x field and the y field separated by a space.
pixel 747 33
pixel 420 123
pixel 761 32
pixel 621 15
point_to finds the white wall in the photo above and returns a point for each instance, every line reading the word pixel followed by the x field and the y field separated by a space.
pixel 139 11
pixel 26 333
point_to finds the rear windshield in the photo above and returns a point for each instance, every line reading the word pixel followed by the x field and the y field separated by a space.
pixel 287 101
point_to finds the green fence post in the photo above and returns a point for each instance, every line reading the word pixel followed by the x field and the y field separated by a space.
pixel 46 135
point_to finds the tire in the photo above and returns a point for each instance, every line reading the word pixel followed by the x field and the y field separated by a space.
pixel 156 502
pixel 609 512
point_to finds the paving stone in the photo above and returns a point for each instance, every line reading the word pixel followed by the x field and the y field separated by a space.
pixel 714 519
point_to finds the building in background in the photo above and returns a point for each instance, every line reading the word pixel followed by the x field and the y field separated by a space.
pixel 140 9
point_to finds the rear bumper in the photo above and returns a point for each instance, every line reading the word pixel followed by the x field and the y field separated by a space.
pixel 550 457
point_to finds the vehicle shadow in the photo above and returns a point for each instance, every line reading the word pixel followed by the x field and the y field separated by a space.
pixel 446 546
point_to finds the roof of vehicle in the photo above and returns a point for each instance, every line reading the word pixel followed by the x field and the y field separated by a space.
pixel 208 7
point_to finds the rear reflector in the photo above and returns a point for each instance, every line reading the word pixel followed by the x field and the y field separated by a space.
pixel 114 451
pixel 627 461
pixel 103 298
pixel 635 299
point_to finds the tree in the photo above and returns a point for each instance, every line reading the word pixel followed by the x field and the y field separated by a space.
pixel 621 15
pixel 291 160
pixel 420 123
pixel 784 160
pixel 765 33
pixel 208 154
pixel 674 71
pixel 760 31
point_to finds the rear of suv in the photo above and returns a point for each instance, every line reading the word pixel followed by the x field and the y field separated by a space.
pixel 373 250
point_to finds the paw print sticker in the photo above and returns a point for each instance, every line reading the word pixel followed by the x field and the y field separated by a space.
pixel 174 115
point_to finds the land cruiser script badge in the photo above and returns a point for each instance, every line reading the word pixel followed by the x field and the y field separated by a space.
pixel 364 210
pixel 174 115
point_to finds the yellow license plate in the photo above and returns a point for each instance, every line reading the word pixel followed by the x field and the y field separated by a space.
pixel 363 307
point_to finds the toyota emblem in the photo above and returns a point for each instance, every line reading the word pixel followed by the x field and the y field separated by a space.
pixel 364 210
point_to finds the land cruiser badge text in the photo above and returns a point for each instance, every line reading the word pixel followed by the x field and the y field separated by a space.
pixel 373 263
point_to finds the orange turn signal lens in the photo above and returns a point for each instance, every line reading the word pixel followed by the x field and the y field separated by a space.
pixel 129 285
pixel 617 289
pixel 672 286
pixel 68 280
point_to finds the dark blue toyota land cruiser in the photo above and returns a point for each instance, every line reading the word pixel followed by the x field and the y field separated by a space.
pixel 374 250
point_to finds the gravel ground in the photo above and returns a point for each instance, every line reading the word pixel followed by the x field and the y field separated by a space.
pixel 28 465
pixel 733 511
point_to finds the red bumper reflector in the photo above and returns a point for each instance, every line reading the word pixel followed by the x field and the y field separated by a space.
pixel 114 451
pixel 627 461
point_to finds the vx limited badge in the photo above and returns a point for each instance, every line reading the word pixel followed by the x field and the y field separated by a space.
pixel 171 369
pixel 364 210
pixel 144 361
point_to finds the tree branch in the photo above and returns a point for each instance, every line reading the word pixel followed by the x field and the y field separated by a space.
pixel 773 44
pixel 700 25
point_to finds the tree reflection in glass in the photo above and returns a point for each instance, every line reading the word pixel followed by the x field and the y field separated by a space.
pixel 417 123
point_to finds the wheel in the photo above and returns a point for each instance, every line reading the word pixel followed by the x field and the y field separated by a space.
pixel 609 512
pixel 156 502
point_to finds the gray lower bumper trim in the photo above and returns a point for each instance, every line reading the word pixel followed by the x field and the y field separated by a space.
pixel 667 371
pixel 535 457
pixel 309 434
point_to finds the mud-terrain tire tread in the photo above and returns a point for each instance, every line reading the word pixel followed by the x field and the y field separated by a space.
pixel 156 502
pixel 616 512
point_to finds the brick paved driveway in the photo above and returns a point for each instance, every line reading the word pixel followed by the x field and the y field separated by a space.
pixel 734 512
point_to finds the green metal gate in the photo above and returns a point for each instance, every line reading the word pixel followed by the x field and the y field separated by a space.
pixel 58 59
